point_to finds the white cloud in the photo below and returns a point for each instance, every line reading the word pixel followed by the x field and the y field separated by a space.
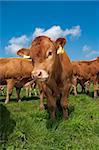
pixel 92 54
pixel 16 43
pixel 89 52
pixel 74 31
pixel 19 40
pixel 56 31
pixel 86 48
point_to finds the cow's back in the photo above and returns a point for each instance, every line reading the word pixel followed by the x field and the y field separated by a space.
pixel 81 69
pixel 14 68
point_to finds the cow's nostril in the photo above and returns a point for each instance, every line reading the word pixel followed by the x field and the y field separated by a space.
pixel 39 74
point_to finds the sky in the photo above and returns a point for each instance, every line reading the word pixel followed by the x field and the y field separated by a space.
pixel 77 21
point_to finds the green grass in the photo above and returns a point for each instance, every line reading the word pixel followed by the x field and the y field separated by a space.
pixel 24 127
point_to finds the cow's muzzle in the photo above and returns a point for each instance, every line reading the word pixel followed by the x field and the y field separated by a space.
pixel 40 75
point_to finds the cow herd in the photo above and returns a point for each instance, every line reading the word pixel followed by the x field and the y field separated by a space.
pixel 50 68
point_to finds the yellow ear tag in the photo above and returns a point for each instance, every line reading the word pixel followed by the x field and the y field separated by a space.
pixel 24 56
pixel 60 50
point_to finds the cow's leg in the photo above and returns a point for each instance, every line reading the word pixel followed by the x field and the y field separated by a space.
pixel 18 94
pixel 75 86
pixel 75 90
pixel 51 103
pixel 42 91
pixel 83 87
pixel 95 88
pixel 88 87
pixel 10 86
pixel 30 91
pixel 7 96
pixel 41 100
pixel 64 99
pixel 51 107
pixel 27 91
pixel 64 105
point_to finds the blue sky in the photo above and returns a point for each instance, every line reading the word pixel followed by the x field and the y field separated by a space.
pixel 77 21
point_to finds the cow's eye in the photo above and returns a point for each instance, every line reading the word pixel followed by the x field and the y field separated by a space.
pixel 49 53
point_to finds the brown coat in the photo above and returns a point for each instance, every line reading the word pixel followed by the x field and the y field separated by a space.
pixel 87 71
pixel 52 68
pixel 15 72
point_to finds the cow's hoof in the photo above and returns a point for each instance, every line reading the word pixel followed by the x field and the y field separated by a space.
pixel 95 97
pixel 19 100
pixel 6 102
pixel 42 107
pixel 65 118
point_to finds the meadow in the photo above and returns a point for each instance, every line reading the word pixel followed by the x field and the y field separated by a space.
pixel 24 127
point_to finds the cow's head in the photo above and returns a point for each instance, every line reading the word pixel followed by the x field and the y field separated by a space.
pixel 43 53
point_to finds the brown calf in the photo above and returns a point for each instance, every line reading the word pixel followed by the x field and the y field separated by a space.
pixel 53 67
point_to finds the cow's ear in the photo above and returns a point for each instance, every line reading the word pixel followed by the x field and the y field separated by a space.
pixel 60 42
pixel 24 52
pixel 98 58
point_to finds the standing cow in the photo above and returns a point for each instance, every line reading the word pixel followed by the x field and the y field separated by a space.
pixel 15 72
pixel 52 66
pixel 86 71
pixel 78 77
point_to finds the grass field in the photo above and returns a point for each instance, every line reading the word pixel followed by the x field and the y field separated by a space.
pixel 24 127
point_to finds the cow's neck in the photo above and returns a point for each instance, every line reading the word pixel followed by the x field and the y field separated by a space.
pixel 57 69
pixel 55 77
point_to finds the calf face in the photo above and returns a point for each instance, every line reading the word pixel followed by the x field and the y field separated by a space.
pixel 44 53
